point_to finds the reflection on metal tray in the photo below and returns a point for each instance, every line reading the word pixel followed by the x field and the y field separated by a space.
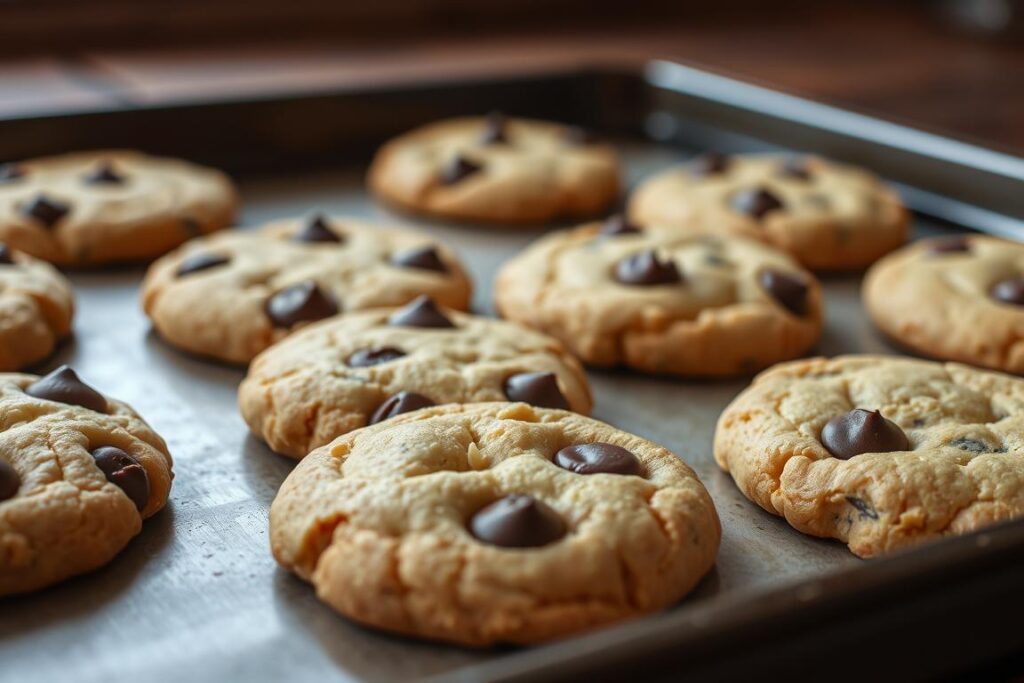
pixel 198 597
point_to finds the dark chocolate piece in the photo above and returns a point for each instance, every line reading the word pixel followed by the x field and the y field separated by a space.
pixel 125 472
pixel 756 203
pixel 1009 291
pixel 420 312
pixel 317 229
pixel 64 386
pixel 199 262
pixel 789 290
pixel 402 402
pixel 597 458
pixel 646 269
pixel 364 358
pixel 424 258
pixel 862 431
pixel 537 389
pixel 300 303
pixel 517 521
pixel 9 481
pixel 45 210
pixel 458 169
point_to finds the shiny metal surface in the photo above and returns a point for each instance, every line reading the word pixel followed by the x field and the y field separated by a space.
pixel 197 596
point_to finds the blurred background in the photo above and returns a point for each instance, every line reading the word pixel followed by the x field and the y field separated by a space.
pixel 956 66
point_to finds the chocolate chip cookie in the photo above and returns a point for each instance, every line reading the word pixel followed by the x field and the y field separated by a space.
pixel 494 522
pixel 365 367
pixel 95 208
pixel 828 216
pixel 79 472
pixel 231 295
pixel 662 300
pixel 497 169
pixel 954 298
pixel 879 452
pixel 36 306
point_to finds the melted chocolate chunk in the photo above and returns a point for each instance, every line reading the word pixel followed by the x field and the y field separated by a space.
pixel 597 458
pixel 646 269
pixel 125 472
pixel 424 258
pixel 317 229
pixel 757 203
pixel 421 312
pixel 402 402
pixel 300 303
pixel 63 386
pixel 1009 291
pixel 458 169
pixel 517 521
pixel 712 163
pixel 10 173
pixel 104 174
pixel 5 255
pixel 45 210
pixel 198 262
pixel 9 481
pixel 795 168
pixel 862 431
pixel 578 136
pixel 864 508
pixel 789 290
pixel 619 225
pixel 536 388
pixel 956 244
pixel 364 358
pixel 494 129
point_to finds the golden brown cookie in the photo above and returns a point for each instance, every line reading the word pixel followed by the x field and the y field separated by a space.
pixel 662 300
pixel 231 295
pixel 496 169
pixel 879 452
pixel 36 307
pixel 365 367
pixel 827 215
pixel 79 472
pixel 494 522
pixel 109 206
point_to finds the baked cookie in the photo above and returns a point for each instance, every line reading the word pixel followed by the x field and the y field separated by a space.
pixel 231 295
pixel 663 301
pixel 879 452
pixel 494 522
pixel 496 169
pixel 955 298
pixel 78 474
pixel 365 367
pixel 36 306
pixel 828 216
pixel 109 206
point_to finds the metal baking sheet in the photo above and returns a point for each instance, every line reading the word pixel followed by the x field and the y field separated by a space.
pixel 197 596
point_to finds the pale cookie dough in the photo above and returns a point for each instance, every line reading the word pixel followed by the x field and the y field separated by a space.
pixel 828 216
pixel 79 472
pixel 455 523
pixel 944 455
pixel 36 307
pixel 691 304
pixel 953 298
pixel 231 295
pixel 360 368
pixel 109 206
pixel 495 169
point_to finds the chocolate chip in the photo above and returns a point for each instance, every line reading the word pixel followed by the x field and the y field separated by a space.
pixel 646 269
pixel 789 290
pixel 364 358
pixel 619 225
pixel 537 389
pixel 421 312
pixel 458 169
pixel 712 163
pixel 758 202
pixel 974 446
pixel 1009 291
pixel 864 508
pixel 597 458
pixel 300 303
pixel 10 172
pixel 949 245
pixel 63 386
pixel 578 136
pixel 494 129
pixel 5 255
pixel 517 521
pixel 125 472
pixel 402 402
pixel 198 262
pixel 317 229
pixel 45 210
pixel 862 431
pixel 795 168
pixel 424 258
pixel 9 481
pixel 104 175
